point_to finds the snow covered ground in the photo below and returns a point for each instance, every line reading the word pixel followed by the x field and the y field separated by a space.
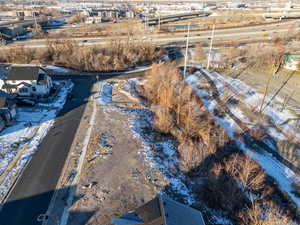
pixel 3 72
pixel 20 141
pixel 229 87
pixel 58 69
pixel 25 36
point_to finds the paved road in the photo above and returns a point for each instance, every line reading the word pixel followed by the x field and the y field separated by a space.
pixel 241 33
pixel 33 191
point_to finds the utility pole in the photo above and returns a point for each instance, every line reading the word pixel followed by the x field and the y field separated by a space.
pixel 158 21
pixel 145 21
pixel 210 47
pixel 186 50
pixel 34 18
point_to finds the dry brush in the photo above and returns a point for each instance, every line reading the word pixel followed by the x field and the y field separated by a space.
pixel 226 178
pixel 118 55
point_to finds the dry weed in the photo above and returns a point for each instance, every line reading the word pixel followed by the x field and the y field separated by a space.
pixel 264 214
pixel 68 53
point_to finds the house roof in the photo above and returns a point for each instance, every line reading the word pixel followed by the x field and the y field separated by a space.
pixel 180 214
pixel 163 211
pixel 23 72
pixel 2 102
pixel 150 211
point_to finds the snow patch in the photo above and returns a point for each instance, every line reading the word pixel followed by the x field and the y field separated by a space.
pixel 21 140
pixel 58 69
pixel 282 174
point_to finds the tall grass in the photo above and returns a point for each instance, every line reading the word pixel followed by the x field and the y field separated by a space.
pixel 117 55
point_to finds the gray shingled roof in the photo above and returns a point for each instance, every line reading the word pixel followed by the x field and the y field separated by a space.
pixel 25 72
pixel 163 211
pixel 180 214
pixel 149 211
pixel 2 102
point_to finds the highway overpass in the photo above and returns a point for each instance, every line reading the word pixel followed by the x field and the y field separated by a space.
pixel 12 29
pixel 28 23
pixel 175 17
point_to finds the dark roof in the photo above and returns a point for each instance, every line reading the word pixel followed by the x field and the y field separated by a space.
pixel 25 72
pixel 2 102
pixel 150 211
pixel 163 211
pixel 180 214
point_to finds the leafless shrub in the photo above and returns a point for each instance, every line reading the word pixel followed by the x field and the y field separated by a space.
pixel 38 31
pixel 296 187
pixel 267 56
pixel 51 12
pixel 4 8
pixel 178 110
pixel 199 52
pixel 78 18
pixel 220 191
pixel 247 171
pixel 229 182
pixel 266 214
pixel 129 29
pixel 67 52
pixel 17 55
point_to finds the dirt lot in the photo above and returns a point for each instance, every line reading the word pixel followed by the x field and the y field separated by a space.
pixel 115 178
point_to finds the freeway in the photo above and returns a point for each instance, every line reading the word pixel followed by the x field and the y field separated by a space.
pixel 242 33
pixel 33 191
pixel 175 17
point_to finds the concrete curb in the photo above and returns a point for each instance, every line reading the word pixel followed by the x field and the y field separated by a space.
pixel 65 216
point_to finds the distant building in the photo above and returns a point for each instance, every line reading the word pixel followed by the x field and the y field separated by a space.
pixel 9 32
pixel 292 61
pixel 28 81
pixel 129 14
pixel 161 211
pixel 27 13
pixel 93 20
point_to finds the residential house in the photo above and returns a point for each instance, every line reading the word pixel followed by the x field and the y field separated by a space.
pixel 2 123
pixel 292 61
pixel 8 110
pixel 28 81
pixel 161 211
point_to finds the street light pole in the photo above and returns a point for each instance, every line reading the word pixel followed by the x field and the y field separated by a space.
pixel 186 50
pixel 34 17
pixel 158 21
pixel 210 47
